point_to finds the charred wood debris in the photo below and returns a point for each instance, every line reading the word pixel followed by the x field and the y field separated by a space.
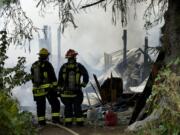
pixel 126 106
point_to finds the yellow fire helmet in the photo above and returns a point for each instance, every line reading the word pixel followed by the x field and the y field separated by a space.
pixel 44 52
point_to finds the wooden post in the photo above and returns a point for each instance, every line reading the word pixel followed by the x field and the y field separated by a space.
pixel 58 49
pixel 107 61
pixel 146 51
pixel 145 59
pixel 125 47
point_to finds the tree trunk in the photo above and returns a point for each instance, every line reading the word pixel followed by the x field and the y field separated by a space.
pixel 171 30
pixel 171 45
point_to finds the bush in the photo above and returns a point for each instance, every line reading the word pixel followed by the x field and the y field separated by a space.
pixel 13 122
pixel 165 98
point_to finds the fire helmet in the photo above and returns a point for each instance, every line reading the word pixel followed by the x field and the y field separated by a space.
pixel 44 52
pixel 71 53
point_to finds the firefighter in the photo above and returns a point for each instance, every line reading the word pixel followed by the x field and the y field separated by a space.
pixel 44 86
pixel 71 85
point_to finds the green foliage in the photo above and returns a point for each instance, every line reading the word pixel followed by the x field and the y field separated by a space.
pixel 16 75
pixel 7 2
pixel 12 122
pixel 11 77
pixel 165 98
pixel 14 19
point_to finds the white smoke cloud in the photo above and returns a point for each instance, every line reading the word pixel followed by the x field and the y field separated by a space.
pixel 95 33
pixel 94 36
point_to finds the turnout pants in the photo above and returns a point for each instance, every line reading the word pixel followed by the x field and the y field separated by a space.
pixel 73 110
pixel 41 107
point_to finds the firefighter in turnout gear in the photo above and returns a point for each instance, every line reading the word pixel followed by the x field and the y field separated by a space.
pixel 71 85
pixel 44 86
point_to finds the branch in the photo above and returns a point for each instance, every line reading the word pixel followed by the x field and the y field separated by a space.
pixel 92 4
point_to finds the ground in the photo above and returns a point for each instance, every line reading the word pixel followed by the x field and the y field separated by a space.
pixel 87 130
pixel 91 129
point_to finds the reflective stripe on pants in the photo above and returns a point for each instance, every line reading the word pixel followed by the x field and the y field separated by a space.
pixel 55 114
pixel 80 119
pixel 68 120
pixel 42 118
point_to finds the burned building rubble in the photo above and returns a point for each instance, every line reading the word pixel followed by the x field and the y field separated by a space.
pixel 134 72
pixel 116 97
pixel 111 89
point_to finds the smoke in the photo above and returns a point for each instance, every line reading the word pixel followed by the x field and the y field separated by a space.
pixel 94 36
pixel 95 33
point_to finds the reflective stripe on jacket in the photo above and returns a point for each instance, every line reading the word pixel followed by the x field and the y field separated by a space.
pixel 42 89
pixel 68 94
pixel 47 78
